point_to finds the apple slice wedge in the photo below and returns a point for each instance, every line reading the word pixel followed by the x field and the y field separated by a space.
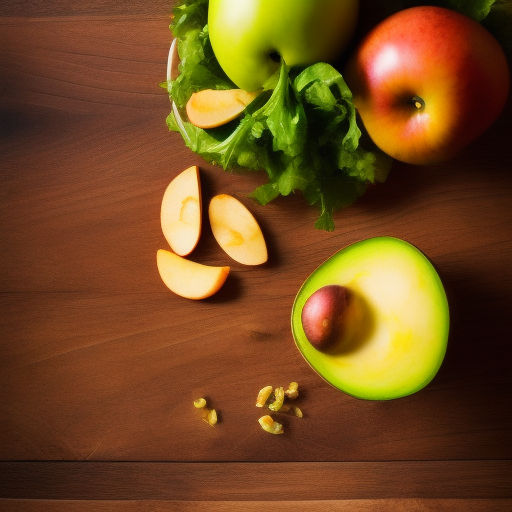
pixel 181 212
pixel 237 231
pixel 187 278
pixel 211 108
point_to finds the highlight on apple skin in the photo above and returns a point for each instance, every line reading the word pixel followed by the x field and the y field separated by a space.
pixel 427 82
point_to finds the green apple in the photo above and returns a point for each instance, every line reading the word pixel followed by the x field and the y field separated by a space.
pixel 389 312
pixel 250 37
pixel 427 81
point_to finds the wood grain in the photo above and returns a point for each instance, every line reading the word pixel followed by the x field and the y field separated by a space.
pixel 100 362
pixel 413 505
pixel 257 481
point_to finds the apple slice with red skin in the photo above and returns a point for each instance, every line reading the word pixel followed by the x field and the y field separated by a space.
pixel 187 278
pixel 181 211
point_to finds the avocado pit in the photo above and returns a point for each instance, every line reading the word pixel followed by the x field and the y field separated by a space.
pixel 328 317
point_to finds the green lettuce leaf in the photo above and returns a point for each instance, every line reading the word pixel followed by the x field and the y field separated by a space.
pixel 499 23
pixel 304 135
pixel 198 67
pixel 476 9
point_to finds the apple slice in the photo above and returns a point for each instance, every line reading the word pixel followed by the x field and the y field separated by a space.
pixel 211 108
pixel 237 231
pixel 187 278
pixel 180 214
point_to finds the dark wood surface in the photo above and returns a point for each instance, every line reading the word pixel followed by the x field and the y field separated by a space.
pixel 100 363
pixel 391 505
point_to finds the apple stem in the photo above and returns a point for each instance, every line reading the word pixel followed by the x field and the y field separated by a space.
pixel 275 56
pixel 418 102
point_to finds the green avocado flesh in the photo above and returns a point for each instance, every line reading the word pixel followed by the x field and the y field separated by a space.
pixel 400 341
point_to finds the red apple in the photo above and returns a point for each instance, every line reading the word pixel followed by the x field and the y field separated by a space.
pixel 427 81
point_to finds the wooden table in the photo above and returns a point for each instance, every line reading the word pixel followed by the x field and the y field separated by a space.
pixel 100 362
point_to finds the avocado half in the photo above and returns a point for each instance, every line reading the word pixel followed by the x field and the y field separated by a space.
pixel 402 334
